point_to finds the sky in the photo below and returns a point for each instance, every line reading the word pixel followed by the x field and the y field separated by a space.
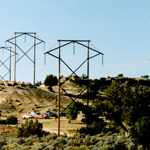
pixel 120 29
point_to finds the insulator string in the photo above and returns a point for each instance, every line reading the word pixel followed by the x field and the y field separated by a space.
pixel 102 60
pixel 25 38
pixel 73 48
pixel 44 59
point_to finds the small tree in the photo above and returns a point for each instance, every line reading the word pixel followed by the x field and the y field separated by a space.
pixel 30 128
pixel 71 112
pixel 120 75
pixel 129 107
pixel 11 120
pixel 38 83
pixel 141 131
pixel 50 80
pixel 145 76
pixel 84 75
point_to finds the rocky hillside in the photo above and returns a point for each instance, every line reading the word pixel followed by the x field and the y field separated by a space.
pixel 23 97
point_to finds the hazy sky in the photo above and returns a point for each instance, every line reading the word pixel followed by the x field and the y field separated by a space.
pixel 118 28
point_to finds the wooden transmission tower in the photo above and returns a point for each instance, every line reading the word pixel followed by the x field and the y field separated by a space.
pixel 4 62
pixel 24 53
pixel 73 72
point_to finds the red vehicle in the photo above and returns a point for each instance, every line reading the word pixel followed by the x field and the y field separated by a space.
pixel 40 116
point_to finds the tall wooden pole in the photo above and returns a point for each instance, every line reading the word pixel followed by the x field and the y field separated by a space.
pixel 10 66
pixel 56 108
pixel 15 61
pixel 88 61
pixel 34 59
pixel 87 82
pixel 59 92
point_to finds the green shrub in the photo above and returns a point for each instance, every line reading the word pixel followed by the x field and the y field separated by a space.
pixel 2 121
pixel 96 127
pixel 140 131
pixel 11 120
pixel 2 141
pixel 145 76
pixel 49 137
pixel 21 141
pixel 60 142
pixel 50 80
pixel 114 142
pixel 72 112
pixel 13 146
pixel 38 83
pixel 68 148
pixel 30 128
pixel 120 75
pixel 77 142
pixel 102 88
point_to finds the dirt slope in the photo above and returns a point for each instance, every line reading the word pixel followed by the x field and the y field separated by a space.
pixel 23 97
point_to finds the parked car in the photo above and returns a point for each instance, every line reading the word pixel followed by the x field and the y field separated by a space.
pixel 40 116
pixel 33 114
pixel 27 116
pixel 51 114
pixel 63 114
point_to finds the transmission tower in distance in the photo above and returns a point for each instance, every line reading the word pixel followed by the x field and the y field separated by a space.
pixel 3 63
pixel 32 35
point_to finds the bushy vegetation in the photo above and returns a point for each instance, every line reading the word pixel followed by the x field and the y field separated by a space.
pixel 50 80
pixel 128 107
pixel 101 141
pixel 73 109
pixel 30 128
pixel 120 75
pixel 71 112
pixel 145 76
pixel 38 83
pixel 126 104
pixel 11 120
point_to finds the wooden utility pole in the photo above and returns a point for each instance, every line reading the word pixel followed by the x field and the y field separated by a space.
pixel 55 107
pixel 88 83
pixel 59 92
pixel 34 58
pixel 15 61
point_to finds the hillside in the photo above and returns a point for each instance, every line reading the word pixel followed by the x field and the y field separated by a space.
pixel 24 97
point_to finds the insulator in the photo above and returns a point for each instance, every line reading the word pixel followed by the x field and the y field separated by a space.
pixel 25 38
pixel 44 59
pixel 73 48
pixel 102 60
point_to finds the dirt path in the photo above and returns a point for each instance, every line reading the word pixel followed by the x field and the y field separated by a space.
pixel 54 131
pixel 51 125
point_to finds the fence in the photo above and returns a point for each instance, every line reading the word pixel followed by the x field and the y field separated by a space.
pixel 6 128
